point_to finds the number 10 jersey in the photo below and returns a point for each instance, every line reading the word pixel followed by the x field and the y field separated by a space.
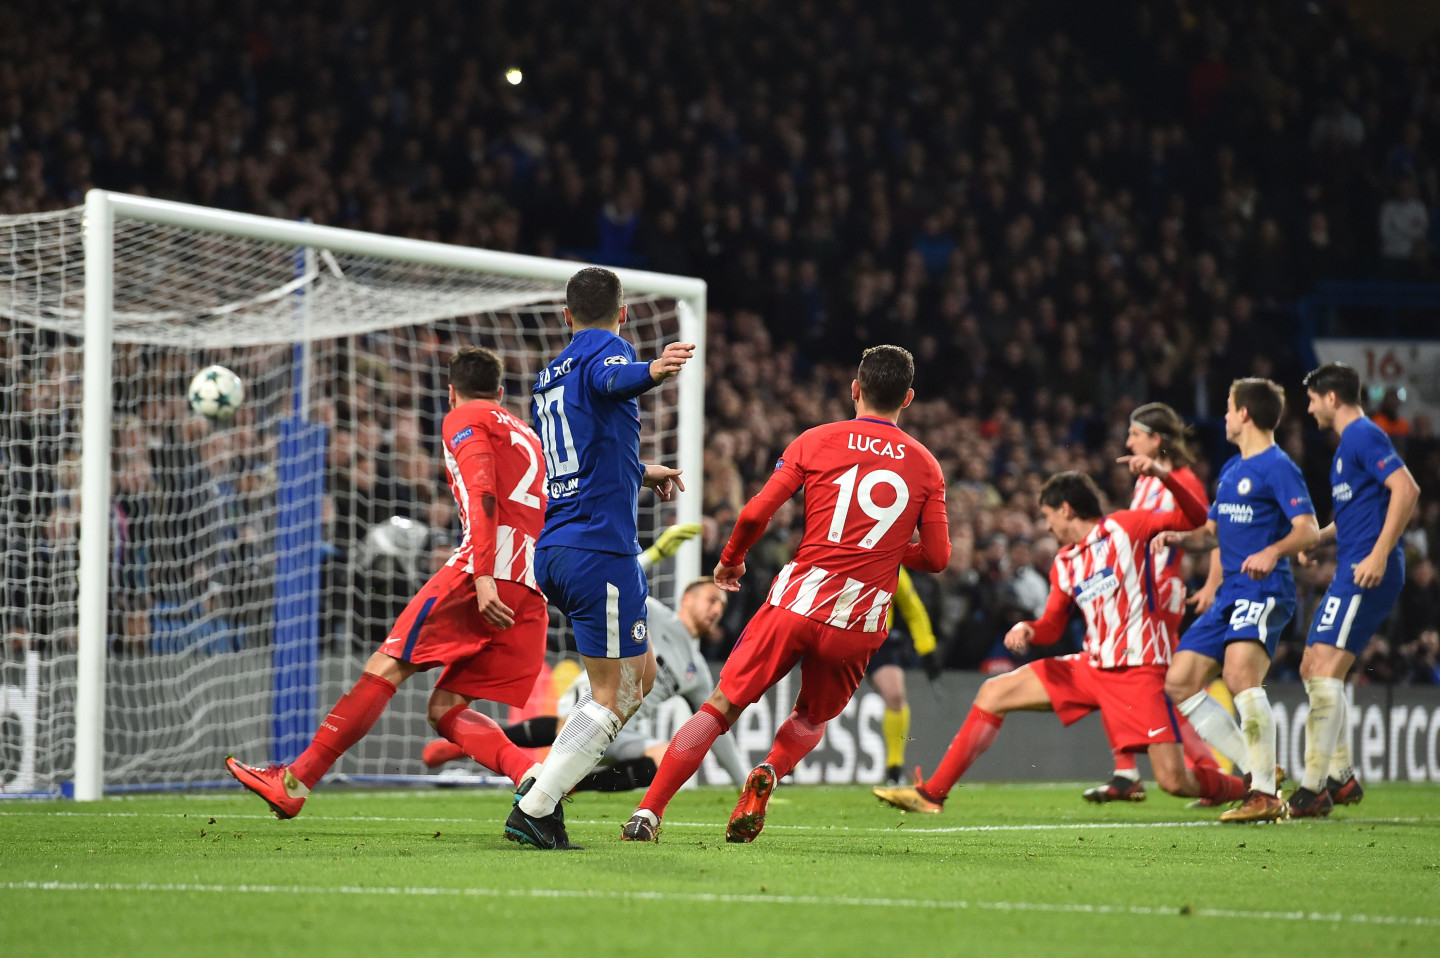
pixel 868 486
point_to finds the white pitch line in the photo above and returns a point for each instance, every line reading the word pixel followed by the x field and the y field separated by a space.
pixel 848 829
pixel 728 899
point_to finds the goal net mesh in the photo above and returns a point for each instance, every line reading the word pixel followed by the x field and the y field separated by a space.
pixel 254 563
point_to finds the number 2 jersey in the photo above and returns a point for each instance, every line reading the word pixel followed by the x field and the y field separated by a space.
pixel 868 486
pixel 1107 575
pixel 489 454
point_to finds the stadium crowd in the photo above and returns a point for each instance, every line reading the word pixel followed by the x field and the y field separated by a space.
pixel 1063 211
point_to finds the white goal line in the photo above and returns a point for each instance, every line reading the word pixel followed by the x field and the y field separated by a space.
pixel 843 829
pixel 706 898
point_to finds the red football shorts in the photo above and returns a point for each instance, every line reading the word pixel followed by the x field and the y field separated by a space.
pixel 442 626
pixel 1132 701
pixel 832 661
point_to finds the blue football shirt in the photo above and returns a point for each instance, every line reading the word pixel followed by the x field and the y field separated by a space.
pixel 587 413
pixel 1363 461
pixel 1255 501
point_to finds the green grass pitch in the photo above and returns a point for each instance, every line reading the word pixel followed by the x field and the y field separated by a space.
pixel 1007 869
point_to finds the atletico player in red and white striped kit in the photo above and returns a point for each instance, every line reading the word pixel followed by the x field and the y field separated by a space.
pixel 868 487
pixel 480 617
pixel 1157 431
pixel 1102 570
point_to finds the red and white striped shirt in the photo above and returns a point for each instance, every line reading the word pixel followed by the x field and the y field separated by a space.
pixel 868 487
pixel 491 455
pixel 1110 577
pixel 1151 496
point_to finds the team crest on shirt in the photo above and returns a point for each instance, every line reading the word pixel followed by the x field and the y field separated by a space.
pixel 1243 487
pixel 638 631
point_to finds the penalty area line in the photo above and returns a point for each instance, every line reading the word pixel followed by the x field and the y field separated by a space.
pixel 707 898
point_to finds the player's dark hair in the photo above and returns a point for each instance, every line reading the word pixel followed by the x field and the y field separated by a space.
pixel 1160 420
pixel 594 296
pixel 885 375
pixel 1337 378
pixel 1262 398
pixel 699 583
pixel 1075 488
pixel 476 372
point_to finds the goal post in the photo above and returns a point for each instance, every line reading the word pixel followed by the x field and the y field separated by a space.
pixel 167 286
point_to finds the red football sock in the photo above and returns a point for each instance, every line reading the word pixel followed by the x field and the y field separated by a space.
pixel 974 737
pixel 484 741
pixel 795 739
pixel 1124 761
pixel 1197 753
pixel 686 752
pixel 347 723
pixel 1216 785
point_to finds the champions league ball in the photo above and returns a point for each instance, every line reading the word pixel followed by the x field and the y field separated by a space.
pixel 216 392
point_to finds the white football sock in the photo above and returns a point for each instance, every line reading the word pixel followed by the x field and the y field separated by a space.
pixel 1258 724
pixel 1322 728
pixel 1133 774
pixel 1340 769
pixel 1217 728
pixel 588 732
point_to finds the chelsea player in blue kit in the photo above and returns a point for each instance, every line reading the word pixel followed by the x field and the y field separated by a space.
pixel 587 412
pixel 1262 515
pixel 1374 495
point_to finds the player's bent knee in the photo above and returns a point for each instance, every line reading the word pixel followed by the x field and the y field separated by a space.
pixel 440 705
pixel 1179 688
pixel 995 693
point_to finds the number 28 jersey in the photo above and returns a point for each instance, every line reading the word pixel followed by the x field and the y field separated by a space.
pixel 868 486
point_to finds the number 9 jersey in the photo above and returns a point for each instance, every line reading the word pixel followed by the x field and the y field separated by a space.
pixel 868 486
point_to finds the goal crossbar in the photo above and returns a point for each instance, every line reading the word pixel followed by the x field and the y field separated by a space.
pixel 102 210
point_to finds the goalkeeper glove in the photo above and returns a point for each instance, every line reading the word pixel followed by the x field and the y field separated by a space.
pixel 670 541
pixel 930 662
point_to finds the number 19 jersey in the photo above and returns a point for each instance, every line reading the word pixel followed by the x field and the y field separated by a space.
pixel 868 486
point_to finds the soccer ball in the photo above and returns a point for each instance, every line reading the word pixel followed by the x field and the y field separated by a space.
pixel 216 392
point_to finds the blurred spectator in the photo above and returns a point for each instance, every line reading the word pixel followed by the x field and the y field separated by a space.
pixel 1403 225
pixel 1388 418
pixel 1422 659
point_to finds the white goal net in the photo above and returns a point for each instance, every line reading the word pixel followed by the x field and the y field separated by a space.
pixel 253 564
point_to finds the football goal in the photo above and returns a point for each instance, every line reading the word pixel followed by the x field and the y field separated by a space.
pixel 177 588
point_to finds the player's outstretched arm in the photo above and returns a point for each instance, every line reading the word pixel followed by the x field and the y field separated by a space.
pixel 755 517
pixel 1188 507
pixel 616 377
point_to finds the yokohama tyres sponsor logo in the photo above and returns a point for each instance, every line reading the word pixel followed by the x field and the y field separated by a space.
pixel 1236 511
